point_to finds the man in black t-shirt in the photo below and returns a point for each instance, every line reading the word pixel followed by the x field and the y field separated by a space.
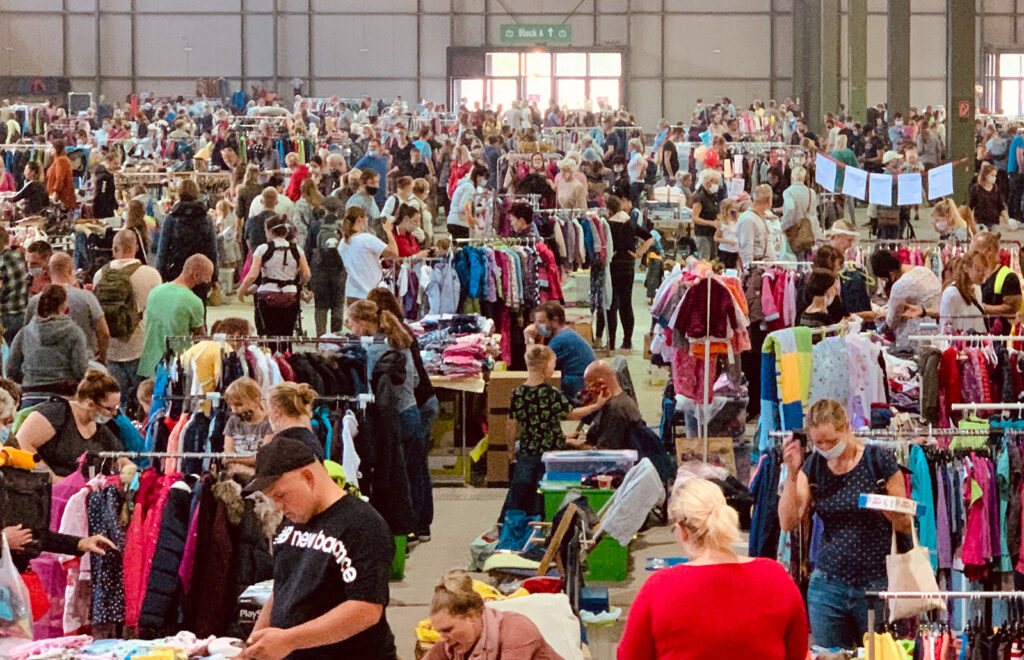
pixel 332 560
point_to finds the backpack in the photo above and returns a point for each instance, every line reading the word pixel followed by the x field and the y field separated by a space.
pixel 327 242
pixel 25 500
pixel 117 298
pixel 271 249
pixel 651 176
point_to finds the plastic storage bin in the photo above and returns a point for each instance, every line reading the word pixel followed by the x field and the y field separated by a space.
pixel 563 465
pixel 608 561
pixel 554 493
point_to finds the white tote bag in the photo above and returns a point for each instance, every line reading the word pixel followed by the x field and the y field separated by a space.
pixel 911 571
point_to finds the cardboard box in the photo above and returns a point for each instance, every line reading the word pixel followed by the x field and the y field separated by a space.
pixel 499 445
pixel 719 452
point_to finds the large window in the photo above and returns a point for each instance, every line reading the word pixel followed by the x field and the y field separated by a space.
pixel 1009 84
pixel 575 80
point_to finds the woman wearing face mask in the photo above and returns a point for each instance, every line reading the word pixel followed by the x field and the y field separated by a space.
pixel 985 199
pixel 468 629
pixel 716 600
pixel 248 427
pixel 50 354
pixel 705 213
pixel 61 431
pixel 407 225
pixel 948 222
pixel 461 216
pixel 855 541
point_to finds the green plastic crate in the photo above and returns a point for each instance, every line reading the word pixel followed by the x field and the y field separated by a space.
pixel 553 496
pixel 608 562
pixel 398 562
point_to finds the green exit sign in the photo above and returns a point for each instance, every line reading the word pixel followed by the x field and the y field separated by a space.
pixel 536 33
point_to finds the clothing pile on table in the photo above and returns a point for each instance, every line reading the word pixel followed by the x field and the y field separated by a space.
pixel 459 346
pixel 84 647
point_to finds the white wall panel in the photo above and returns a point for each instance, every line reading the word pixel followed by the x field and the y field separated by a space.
pixel 469 31
pixel 928 54
pixel 82 47
pixel 30 5
pixel 375 45
pixel 877 46
pixel 928 6
pixel 30 45
pixel 645 101
pixel 783 55
pixel 116 48
pixel 105 5
pixel 611 30
pixel 645 56
pixel 377 6
pixel 876 91
pixel 682 95
pixel 650 5
pixel 258 5
pixel 434 88
pixel 433 48
pixel 435 6
pixel 117 91
pixel 718 6
pixel 998 30
pixel 188 6
pixel 998 5
pixel 520 7
pixel 743 42
pixel 215 44
pixel 164 87
pixel 927 92
pixel 259 52
pixel 90 5
pixel 385 89
pixel 293 45
pixel 609 6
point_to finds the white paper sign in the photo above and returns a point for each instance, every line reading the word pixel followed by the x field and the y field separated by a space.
pixel 855 183
pixel 940 181
pixel 909 189
pixel 880 189
pixel 825 172
pixel 889 503
pixel 735 186
pixel 737 165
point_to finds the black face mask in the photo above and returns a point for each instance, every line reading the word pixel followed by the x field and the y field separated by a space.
pixel 202 290
pixel 371 190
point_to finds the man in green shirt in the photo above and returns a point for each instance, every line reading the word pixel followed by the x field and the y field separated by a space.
pixel 173 310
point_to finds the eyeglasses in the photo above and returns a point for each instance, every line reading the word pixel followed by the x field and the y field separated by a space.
pixel 110 410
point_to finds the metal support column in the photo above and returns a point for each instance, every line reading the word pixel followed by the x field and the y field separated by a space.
pixel 898 58
pixel 98 54
pixel 807 60
pixel 276 89
pixel 662 63
pixel 309 46
pixel 799 52
pixel 773 83
pixel 243 51
pixel 960 25
pixel 857 35
pixel 830 63
pixel 65 65
pixel 419 51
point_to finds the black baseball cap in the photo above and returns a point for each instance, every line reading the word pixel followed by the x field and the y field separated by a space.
pixel 288 450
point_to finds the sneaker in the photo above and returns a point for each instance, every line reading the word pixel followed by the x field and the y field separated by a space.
pixel 626 347
pixel 423 538
pixel 412 541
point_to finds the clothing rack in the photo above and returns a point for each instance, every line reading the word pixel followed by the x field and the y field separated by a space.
pixel 573 212
pixel 173 454
pixel 966 337
pixel 256 339
pixel 988 406
pixel 492 240
pixel 872 596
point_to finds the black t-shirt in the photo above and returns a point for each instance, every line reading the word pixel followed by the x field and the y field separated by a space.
pixel 613 423
pixel 343 553
pixel 708 211
pixel 415 170
pixel 62 451
pixel 1011 287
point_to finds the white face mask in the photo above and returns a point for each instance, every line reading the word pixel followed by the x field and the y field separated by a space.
pixel 991 179
pixel 713 188
pixel 834 453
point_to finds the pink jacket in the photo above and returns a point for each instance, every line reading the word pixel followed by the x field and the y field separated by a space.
pixel 140 544
pixel 505 636
pixel 548 271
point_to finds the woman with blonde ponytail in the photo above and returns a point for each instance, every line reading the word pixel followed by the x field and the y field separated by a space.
pixel 718 604
pixel 361 252
pixel 468 629
pixel 390 363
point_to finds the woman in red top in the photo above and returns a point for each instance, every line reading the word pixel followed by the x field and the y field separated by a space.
pixel 461 165
pixel 407 221
pixel 59 179
pixel 719 605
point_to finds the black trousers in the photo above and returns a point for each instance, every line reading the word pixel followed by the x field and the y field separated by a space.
pixel 1016 194
pixel 622 304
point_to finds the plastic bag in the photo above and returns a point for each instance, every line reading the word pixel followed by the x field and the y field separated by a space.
pixel 15 609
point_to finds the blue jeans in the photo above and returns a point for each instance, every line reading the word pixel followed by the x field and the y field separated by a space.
pixel 522 491
pixel 125 373
pixel 428 415
pixel 838 612
pixel 416 470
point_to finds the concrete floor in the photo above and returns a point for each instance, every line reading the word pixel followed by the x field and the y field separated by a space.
pixel 463 513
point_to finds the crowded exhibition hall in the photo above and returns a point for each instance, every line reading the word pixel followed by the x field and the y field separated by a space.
pixel 534 330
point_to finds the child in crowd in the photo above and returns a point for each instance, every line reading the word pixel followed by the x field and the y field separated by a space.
pixel 726 235
pixel 536 412
pixel 248 427
pixel 144 395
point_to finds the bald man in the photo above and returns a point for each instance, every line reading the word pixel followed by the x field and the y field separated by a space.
pixel 172 310
pixel 124 353
pixel 83 308
pixel 614 422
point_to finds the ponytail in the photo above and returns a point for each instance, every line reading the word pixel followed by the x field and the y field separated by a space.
pixel 392 328
pixel 700 507
pixel 348 223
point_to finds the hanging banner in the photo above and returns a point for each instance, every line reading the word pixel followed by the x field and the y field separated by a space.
pixel 825 172
pixel 940 181
pixel 856 183
pixel 737 165
pixel 909 189
pixel 880 189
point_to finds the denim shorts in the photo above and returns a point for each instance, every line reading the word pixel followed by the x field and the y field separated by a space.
pixel 838 612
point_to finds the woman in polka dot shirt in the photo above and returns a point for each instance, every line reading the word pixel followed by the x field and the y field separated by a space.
pixel 855 541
